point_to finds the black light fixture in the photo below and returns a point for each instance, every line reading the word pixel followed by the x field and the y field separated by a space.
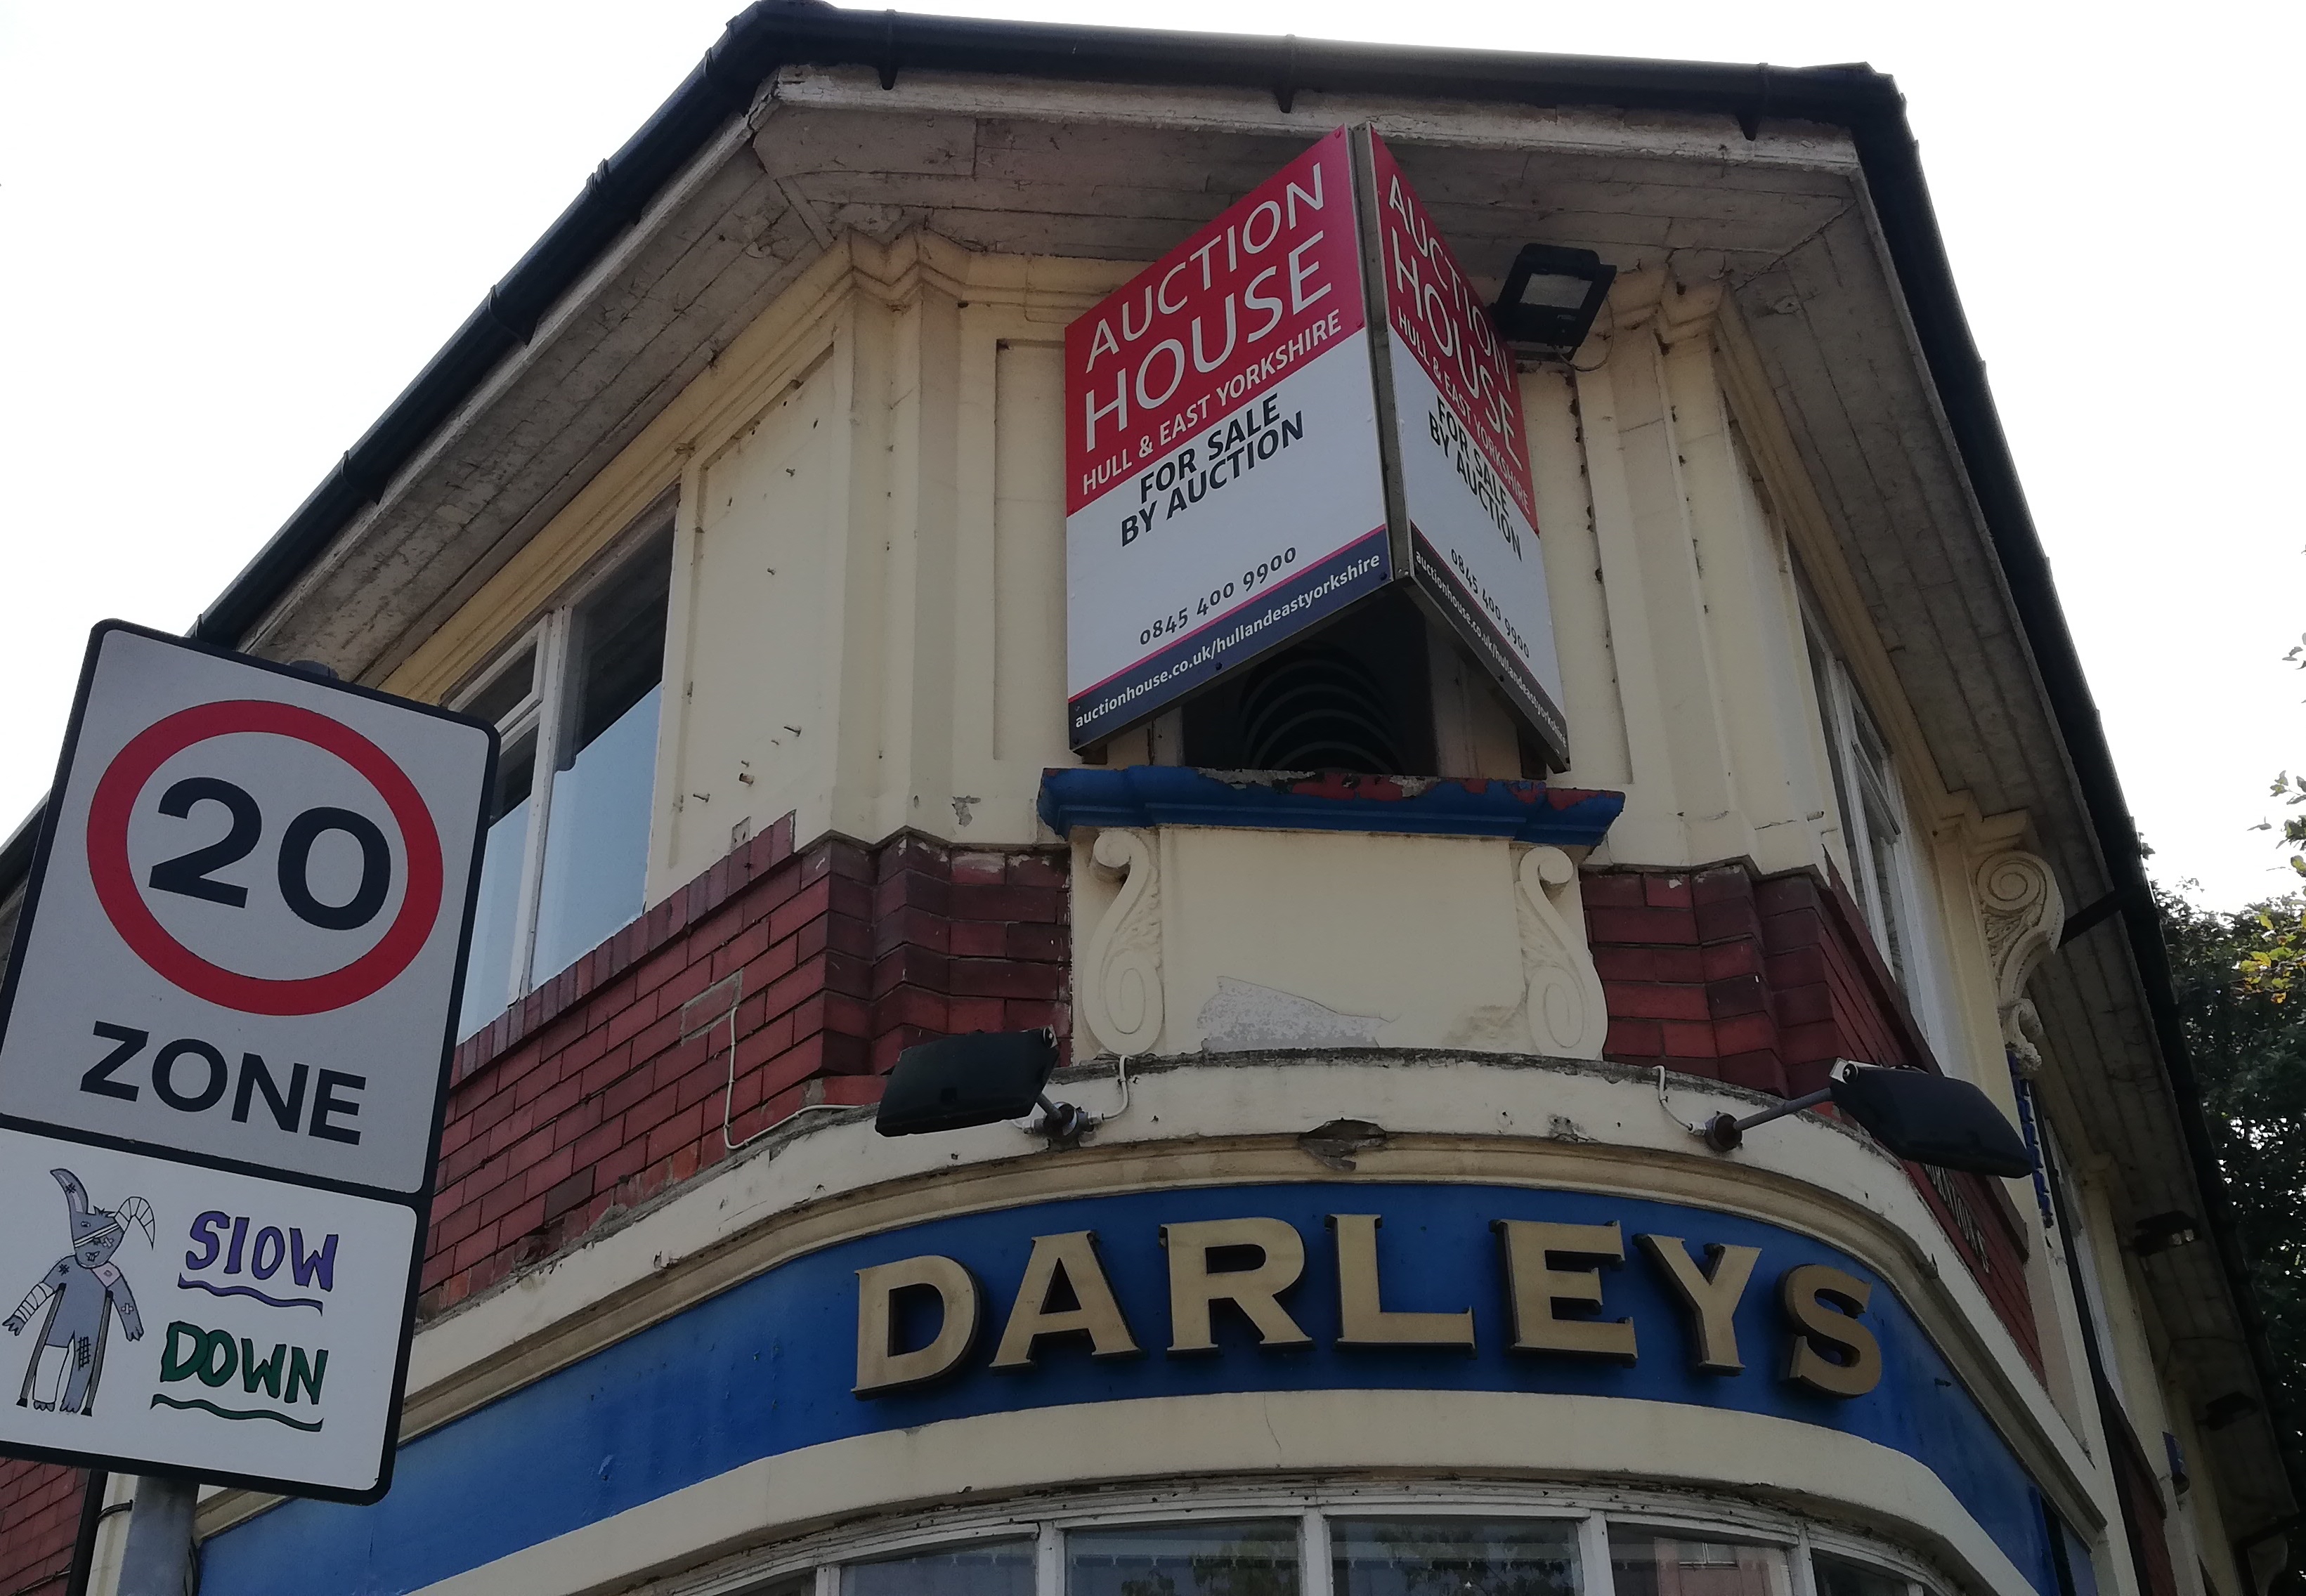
pixel 1927 1119
pixel 979 1079
pixel 2229 1409
pixel 1552 296
pixel 2158 1233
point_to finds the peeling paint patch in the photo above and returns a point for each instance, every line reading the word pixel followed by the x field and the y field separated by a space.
pixel 1244 1016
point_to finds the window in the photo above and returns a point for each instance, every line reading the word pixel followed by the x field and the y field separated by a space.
pixel 1200 1559
pixel 1674 1563
pixel 1386 1541
pixel 988 1568
pixel 1840 1576
pixel 1865 792
pixel 1453 1556
pixel 565 857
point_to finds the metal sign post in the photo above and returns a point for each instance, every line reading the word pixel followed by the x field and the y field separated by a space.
pixel 223 1041
pixel 157 1561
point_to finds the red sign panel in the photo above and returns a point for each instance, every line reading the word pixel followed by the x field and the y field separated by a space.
pixel 1441 318
pixel 1272 281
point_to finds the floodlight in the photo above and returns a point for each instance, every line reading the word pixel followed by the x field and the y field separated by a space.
pixel 2158 1233
pixel 1552 296
pixel 1928 1119
pixel 974 1079
pixel 2232 1408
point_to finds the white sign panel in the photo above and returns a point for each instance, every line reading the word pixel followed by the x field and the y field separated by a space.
pixel 1465 458
pixel 223 1040
pixel 1224 491
pixel 245 933
pixel 156 1313
pixel 1301 405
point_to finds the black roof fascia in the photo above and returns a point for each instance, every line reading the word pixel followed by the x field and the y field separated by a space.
pixel 775 33
pixel 1892 161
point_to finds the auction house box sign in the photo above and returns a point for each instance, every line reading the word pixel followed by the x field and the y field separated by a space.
pixel 223 1041
pixel 1302 404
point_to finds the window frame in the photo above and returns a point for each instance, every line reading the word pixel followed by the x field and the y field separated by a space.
pixel 1863 782
pixel 1906 930
pixel 549 710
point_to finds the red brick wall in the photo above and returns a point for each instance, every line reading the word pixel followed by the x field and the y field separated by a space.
pixel 40 1520
pixel 1763 982
pixel 606 1084
pixel 586 1097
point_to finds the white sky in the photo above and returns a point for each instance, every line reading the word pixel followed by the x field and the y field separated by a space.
pixel 231 233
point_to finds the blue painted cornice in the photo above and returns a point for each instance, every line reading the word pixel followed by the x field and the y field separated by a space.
pixel 1145 795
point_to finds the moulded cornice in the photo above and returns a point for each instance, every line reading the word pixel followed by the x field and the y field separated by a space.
pixel 820 1181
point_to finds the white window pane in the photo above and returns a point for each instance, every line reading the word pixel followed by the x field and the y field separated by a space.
pixel 1838 1577
pixel 597 816
pixel 1215 1559
pixel 1671 1563
pixel 596 846
pixel 992 1568
pixel 1453 1556
pixel 506 690
pixel 496 920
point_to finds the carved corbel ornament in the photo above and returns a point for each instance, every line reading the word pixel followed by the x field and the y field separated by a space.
pixel 1651 298
pixel 1569 1013
pixel 1635 297
pixel 1120 991
pixel 1686 313
pixel 2021 910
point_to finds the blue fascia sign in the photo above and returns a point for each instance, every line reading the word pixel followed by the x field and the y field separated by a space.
pixel 1285 1286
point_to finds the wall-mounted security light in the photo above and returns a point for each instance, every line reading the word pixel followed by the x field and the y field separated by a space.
pixel 2158 1233
pixel 1552 296
pixel 2232 1408
pixel 977 1079
pixel 1927 1119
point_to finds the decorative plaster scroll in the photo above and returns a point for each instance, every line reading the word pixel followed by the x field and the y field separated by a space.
pixel 1121 988
pixel 2021 910
pixel 1568 1014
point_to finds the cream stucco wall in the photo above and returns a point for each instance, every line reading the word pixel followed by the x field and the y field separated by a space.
pixel 867 619
pixel 867 631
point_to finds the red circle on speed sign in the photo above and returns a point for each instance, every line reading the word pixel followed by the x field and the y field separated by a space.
pixel 115 880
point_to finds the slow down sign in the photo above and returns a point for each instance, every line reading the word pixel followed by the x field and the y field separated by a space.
pixel 223 1038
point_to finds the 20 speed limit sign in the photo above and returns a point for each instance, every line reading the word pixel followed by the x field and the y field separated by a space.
pixel 245 931
pixel 224 1037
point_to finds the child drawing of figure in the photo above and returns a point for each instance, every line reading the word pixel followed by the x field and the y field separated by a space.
pixel 82 1292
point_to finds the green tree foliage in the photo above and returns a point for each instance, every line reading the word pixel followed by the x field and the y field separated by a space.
pixel 2275 963
pixel 2249 1049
